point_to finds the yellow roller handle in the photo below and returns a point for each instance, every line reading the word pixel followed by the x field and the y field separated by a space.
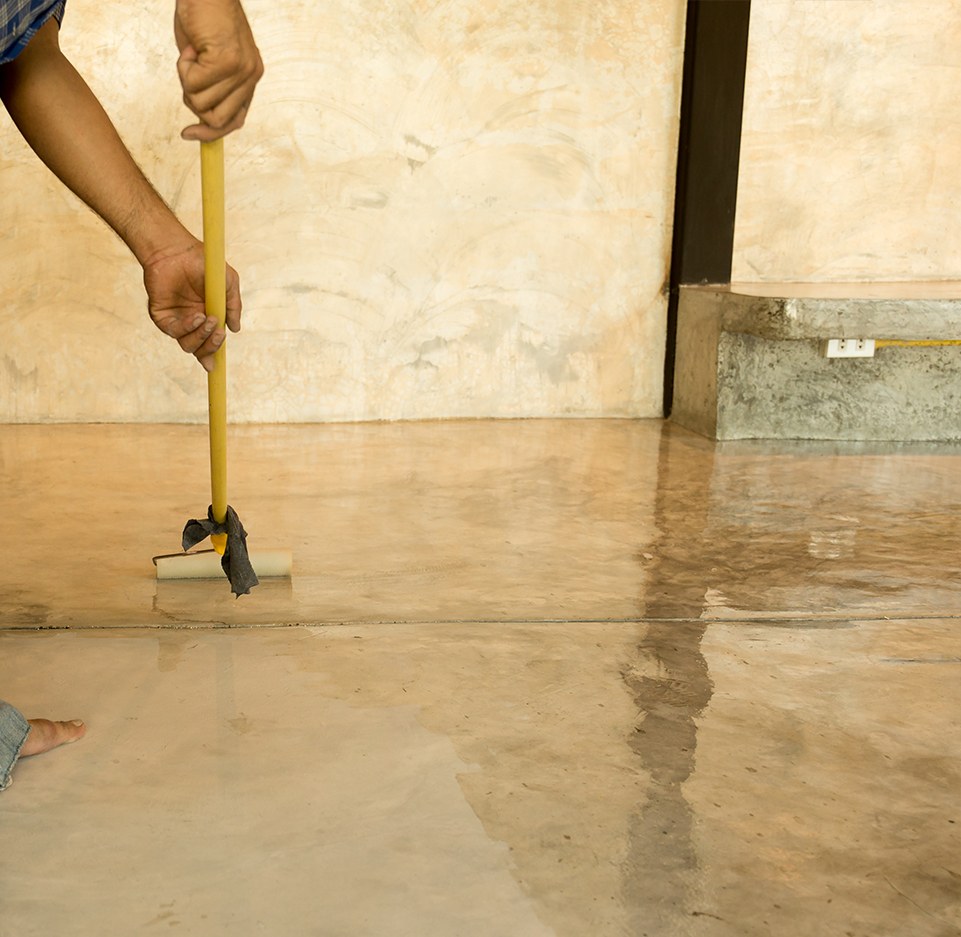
pixel 215 299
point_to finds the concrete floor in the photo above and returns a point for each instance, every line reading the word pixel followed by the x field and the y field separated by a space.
pixel 539 678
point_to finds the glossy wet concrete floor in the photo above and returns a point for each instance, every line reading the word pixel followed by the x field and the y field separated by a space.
pixel 535 678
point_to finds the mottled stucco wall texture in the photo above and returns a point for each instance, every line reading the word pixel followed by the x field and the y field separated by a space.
pixel 851 142
pixel 438 209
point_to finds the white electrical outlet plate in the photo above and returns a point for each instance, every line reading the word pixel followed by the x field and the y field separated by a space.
pixel 848 348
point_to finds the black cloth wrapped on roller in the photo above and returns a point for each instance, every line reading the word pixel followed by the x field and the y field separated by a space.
pixel 235 561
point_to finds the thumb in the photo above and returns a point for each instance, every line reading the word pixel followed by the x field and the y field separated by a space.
pixel 188 56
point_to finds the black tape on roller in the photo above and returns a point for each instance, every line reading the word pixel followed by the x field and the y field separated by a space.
pixel 235 561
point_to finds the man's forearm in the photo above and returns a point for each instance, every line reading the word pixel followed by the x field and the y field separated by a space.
pixel 63 122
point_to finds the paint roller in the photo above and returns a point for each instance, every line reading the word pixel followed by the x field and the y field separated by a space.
pixel 230 555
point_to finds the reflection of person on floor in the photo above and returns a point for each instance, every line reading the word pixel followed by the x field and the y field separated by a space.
pixel 59 116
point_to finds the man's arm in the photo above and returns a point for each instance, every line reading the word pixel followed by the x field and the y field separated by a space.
pixel 63 122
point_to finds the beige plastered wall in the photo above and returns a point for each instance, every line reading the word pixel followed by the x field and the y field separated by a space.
pixel 851 142
pixel 438 209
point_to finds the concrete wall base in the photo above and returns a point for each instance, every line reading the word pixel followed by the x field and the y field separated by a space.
pixel 750 366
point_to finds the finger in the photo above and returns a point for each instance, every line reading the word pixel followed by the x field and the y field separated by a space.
pixel 180 326
pixel 220 110
pixel 188 53
pixel 202 71
pixel 207 347
pixel 206 134
pixel 211 96
pixel 214 64
pixel 194 341
pixel 234 302
pixel 202 89
pixel 205 90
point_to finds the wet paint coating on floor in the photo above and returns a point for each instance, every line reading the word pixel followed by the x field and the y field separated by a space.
pixel 537 679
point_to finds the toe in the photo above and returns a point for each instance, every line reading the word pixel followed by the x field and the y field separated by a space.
pixel 45 735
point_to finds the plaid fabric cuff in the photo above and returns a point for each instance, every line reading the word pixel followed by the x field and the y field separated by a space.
pixel 20 20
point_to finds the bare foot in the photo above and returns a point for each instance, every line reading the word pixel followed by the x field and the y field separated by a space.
pixel 44 735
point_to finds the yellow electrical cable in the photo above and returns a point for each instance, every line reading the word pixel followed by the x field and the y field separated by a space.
pixel 215 299
pixel 921 343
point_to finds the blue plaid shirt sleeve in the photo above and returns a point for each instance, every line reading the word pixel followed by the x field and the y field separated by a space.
pixel 20 20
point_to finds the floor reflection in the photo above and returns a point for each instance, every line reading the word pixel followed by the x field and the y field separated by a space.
pixel 671 687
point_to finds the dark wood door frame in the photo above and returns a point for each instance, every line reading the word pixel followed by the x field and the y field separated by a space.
pixel 709 147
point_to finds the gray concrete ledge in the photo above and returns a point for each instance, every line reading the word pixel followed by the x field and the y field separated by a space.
pixel 748 366
pixel 839 310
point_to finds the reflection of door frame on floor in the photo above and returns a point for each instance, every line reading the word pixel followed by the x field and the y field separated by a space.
pixel 709 145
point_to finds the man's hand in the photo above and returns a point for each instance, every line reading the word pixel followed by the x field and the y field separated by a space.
pixel 219 65
pixel 175 299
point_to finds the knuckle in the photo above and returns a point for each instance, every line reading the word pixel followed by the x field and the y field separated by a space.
pixel 231 60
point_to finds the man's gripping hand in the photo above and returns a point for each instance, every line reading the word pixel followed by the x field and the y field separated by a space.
pixel 219 65
pixel 174 280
